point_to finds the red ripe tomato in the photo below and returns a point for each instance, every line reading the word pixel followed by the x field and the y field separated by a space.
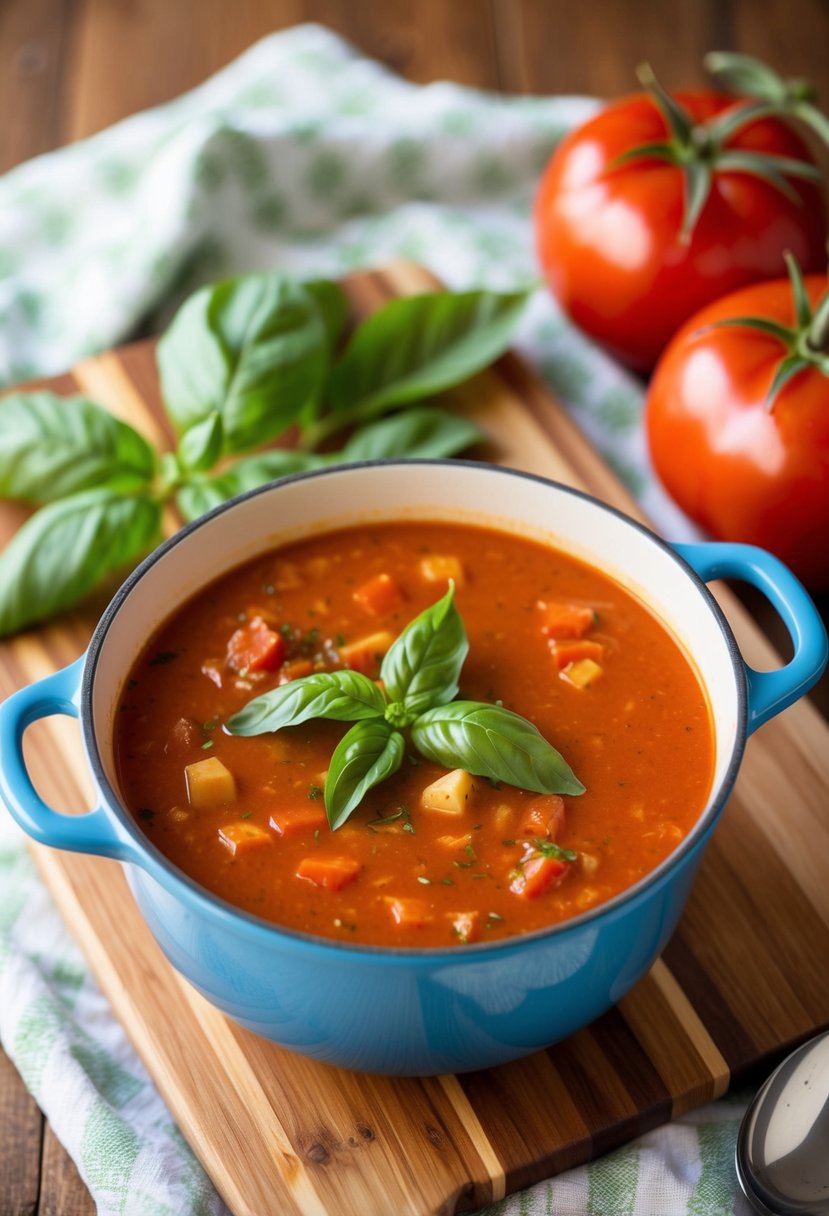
pixel 746 467
pixel 610 232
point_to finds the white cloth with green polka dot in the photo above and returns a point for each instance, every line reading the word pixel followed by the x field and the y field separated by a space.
pixel 307 156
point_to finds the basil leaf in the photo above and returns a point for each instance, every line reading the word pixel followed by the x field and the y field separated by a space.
pixel 51 446
pixel 424 433
pixel 332 307
pixel 253 349
pixel 365 756
pixel 201 446
pixel 420 345
pixel 421 667
pixel 344 696
pixel 493 742
pixel 202 494
pixel 66 547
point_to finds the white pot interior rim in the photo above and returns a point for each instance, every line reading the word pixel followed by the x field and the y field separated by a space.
pixel 463 491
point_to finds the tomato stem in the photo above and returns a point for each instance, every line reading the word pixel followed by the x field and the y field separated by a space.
pixel 699 149
pixel 818 335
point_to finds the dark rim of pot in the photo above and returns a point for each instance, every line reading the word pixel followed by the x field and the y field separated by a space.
pixel 215 905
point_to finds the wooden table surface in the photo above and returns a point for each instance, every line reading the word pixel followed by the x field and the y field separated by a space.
pixel 71 67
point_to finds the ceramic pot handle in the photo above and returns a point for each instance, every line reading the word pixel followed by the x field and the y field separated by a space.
pixel 769 692
pixel 93 832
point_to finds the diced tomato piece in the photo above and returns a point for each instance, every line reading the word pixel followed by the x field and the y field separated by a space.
pixel 255 647
pixel 410 913
pixel 466 925
pixel 366 654
pixel 565 653
pixel 243 837
pixel 537 874
pixel 563 620
pixel 333 873
pixel 543 817
pixel 380 594
pixel 298 820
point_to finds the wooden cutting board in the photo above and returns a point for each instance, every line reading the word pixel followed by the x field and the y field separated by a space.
pixel 745 975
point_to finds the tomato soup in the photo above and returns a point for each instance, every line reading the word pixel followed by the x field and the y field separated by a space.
pixel 429 857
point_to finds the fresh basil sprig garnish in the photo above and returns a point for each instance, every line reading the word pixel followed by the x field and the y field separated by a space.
pixel 243 361
pixel 419 679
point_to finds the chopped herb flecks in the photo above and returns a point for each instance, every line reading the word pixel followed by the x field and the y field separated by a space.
pixel 163 656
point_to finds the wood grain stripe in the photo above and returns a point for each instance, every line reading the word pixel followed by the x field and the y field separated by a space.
pixel 245 1087
pixel 675 1039
pixel 104 378
pixel 454 1092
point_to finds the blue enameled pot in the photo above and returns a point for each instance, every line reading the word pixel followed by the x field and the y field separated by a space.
pixel 410 1011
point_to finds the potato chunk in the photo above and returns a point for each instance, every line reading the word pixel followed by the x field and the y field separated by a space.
pixel 439 568
pixel 582 673
pixel 450 794
pixel 209 783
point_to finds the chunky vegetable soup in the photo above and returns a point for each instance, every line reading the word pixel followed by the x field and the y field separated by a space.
pixel 426 851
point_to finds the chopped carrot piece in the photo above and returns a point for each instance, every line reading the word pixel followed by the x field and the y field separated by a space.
pixel 565 653
pixel 380 594
pixel 333 873
pixel 466 925
pixel 543 817
pixel 583 673
pixel 209 783
pixel 295 670
pixel 410 913
pixel 255 647
pixel 298 821
pixel 536 874
pixel 243 837
pixel 439 568
pixel 563 620
pixel 365 655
